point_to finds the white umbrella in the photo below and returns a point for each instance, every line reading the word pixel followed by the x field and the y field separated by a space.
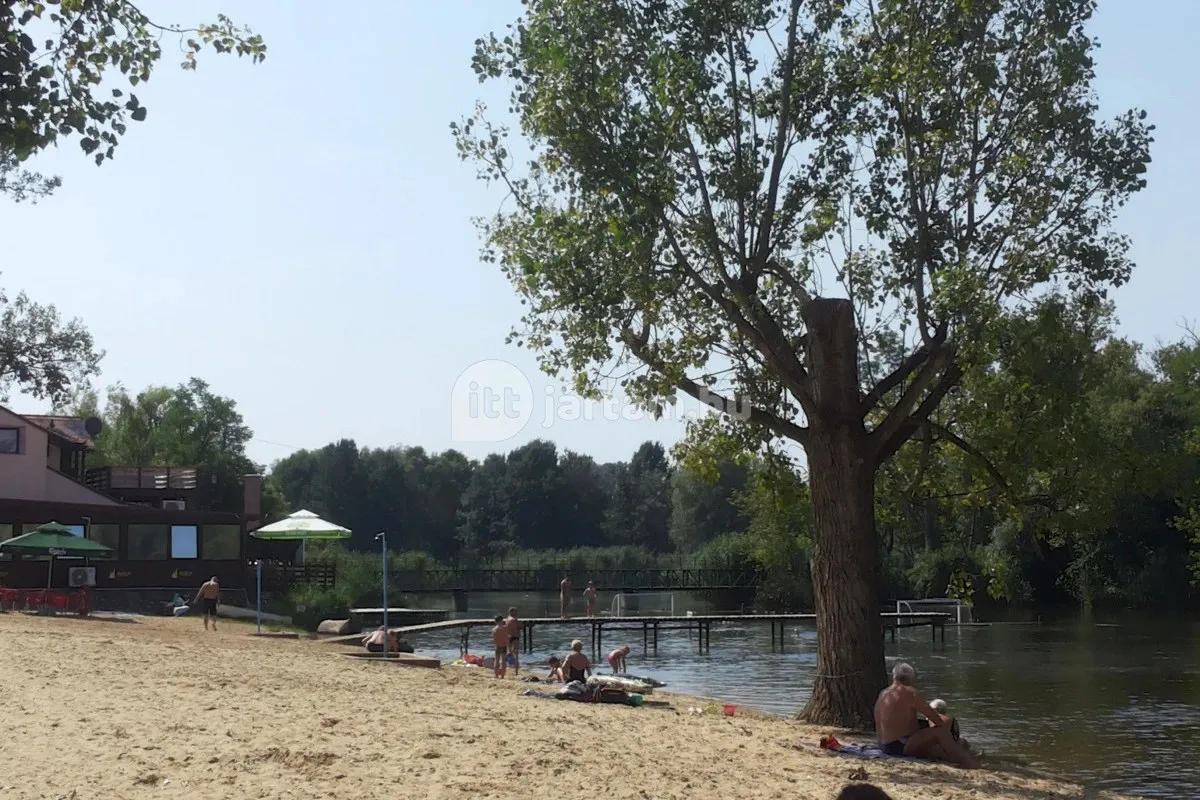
pixel 301 526
pixel 298 527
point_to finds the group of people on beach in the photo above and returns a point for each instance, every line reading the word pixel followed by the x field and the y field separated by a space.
pixel 506 639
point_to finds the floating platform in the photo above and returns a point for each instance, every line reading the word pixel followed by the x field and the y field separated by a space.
pixel 401 659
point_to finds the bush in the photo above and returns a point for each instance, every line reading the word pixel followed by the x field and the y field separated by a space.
pixel 312 605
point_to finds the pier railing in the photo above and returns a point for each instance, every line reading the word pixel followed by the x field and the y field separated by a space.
pixel 545 580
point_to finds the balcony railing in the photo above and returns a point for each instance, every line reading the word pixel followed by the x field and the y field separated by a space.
pixel 105 479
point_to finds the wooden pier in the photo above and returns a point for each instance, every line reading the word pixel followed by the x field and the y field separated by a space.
pixel 651 625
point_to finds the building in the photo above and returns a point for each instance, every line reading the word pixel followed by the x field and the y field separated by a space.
pixel 148 515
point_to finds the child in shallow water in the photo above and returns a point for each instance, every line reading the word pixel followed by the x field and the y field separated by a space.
pixel 616 660
pixel 556 671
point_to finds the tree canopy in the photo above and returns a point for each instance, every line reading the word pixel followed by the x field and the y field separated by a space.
pixel 56 54
pixel 751 201
pixel 55 57
pixel 182 426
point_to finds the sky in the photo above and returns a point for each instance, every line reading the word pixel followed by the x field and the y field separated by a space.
pixel 299 234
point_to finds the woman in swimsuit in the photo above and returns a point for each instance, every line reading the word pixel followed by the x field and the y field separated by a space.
pixel 576 666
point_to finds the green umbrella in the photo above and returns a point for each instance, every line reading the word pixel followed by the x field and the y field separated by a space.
pixel 53 540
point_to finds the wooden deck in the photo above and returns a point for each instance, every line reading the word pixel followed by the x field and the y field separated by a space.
pixel 399 659
pixel 650 627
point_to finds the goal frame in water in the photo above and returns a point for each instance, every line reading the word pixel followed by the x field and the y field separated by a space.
pixel 621 607
pixel 937 605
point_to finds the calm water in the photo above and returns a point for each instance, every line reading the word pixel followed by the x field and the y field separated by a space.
pixel 1113 702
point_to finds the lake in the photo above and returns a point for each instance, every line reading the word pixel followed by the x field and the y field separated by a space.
pixel 1111 701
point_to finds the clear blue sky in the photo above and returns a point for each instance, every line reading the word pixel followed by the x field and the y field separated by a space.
pixel 285 229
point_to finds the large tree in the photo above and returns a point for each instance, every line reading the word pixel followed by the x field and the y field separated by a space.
pixel 738 197
pixel 183 426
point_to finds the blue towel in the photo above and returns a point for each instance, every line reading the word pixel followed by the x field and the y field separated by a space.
pixel 868 751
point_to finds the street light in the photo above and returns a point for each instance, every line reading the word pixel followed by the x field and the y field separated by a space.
pixel 382 537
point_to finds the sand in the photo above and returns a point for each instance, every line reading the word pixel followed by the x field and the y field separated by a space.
pixel 157 708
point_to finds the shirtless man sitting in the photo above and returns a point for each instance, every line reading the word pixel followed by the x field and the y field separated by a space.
pixel 897 728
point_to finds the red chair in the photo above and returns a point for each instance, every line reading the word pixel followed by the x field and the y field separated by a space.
pixel 9 598
pixel 35 599
pixel 59 601
pixel 80 602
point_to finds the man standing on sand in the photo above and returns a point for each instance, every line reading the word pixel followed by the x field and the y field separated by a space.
pixel 589 594
pixel 514 639
pixel 207 598
pixel 897 728
pixel 564 595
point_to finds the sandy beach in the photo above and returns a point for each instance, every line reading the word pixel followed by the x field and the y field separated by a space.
pixel 157 708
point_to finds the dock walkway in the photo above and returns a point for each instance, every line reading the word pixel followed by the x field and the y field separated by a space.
pixel 651 625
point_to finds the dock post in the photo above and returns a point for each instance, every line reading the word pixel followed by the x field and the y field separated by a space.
pixel 656 637
pixel 645 637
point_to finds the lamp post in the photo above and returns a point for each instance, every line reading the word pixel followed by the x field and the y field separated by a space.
pixel 382 537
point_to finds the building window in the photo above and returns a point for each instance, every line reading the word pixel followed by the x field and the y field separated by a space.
pixel 106 534
pixel 10 441
pixel 184 541
pixel 149 542
pixel 221 542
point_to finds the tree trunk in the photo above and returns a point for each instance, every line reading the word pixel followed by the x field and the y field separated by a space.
pixel 929 523
pixel 846 571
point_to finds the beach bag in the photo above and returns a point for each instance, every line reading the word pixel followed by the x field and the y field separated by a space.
pixel 179 611
pixel 610 694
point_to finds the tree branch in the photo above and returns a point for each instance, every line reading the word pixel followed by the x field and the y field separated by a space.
pixel 638 345
pixel 906 368
pixel 935 380
pixel 781 136
pixel 947 435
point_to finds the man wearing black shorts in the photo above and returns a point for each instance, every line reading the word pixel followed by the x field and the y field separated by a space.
pixel 207 598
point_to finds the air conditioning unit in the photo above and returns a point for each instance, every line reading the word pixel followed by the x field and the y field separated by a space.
pixel 174 505
pixel 81 576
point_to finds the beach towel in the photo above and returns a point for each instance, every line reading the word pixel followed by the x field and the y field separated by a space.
pixel 539 695
pixel 866 751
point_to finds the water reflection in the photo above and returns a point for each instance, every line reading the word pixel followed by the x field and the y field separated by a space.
pixel 1116 704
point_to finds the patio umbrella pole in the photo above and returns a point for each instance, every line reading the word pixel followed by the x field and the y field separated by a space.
pixel 258 574
pixel 50 573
